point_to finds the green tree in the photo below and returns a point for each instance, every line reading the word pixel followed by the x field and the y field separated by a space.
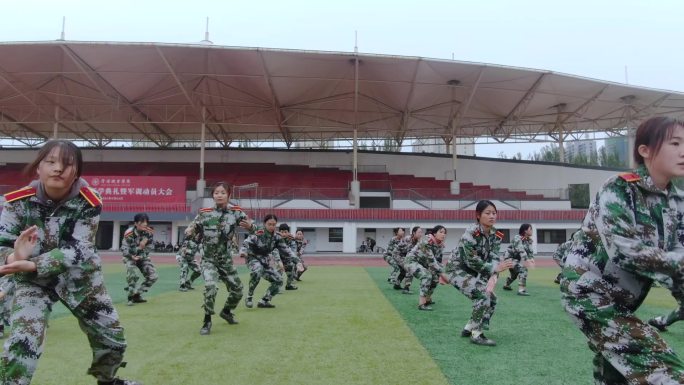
pixel 579 195
pixel 502 155
pixel 390 145
pixel 550 153
pixel 612 159
pixel 580 159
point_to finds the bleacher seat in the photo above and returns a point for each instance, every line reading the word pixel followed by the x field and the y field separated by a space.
pixel 299 181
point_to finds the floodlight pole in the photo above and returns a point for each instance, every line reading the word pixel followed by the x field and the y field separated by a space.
pixel 62 35
pixel 355 187
pixel 356 107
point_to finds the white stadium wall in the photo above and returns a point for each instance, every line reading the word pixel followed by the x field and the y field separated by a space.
pixel 515 175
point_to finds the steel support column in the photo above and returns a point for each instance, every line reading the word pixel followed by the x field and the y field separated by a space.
pixel 631 137
pixel 55 125
pixel 201 183
pixel 455 126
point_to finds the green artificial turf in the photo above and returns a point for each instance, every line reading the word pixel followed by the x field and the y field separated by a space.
pixel 537 342
pixel 338 328
pixel 345 325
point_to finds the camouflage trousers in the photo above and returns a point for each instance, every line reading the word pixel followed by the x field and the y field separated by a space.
pixel 291 271
pixel 626 349
pixel 674 316
pixel 401 276
pixel 189 269
pixel 32 307
pixel 428 278
pixel 146 268
pixel 473 287
pixel 304 265
pixel 259 269
pixel 394 271
pixel 215 271
pixel 560 262
pixel 517 271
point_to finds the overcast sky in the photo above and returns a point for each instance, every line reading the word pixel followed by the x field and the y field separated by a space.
pixel 595 39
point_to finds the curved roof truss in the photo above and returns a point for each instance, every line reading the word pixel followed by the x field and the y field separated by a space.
pixel 160 94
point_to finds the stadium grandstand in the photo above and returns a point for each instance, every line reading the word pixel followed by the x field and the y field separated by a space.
pixel 158 123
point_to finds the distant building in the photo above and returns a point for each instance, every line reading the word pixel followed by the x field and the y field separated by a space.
pixel 618 145
pixel 583 147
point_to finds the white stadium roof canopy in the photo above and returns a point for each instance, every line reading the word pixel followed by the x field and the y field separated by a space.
pixel 155 94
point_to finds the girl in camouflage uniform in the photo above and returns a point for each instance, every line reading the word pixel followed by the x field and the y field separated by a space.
pixel 397 274
pixel 474 268
pixel 301 244
pixel 257 248
pixel 422 263
pixel 520 250
pixel 136 247
pixel 291 266
pixel 408 243
pixel 189 269
pixel 560 255
pixel 632 235
pixel 215 226
pixel 47 239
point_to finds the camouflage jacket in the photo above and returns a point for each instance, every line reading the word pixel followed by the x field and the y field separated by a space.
pixel 262 243
pixel 477 252
pixel 301 244
pixel 520 249
pixel 65 255
pixel 632 234
pixel 561 252
pixel 392 248
pixel 215 226
pixel 426 252
pixel 406 244
pixel 191 243
pixel 130 246
pixel 403 247
pixel 287 257
pixel 189 247
pixel 7 285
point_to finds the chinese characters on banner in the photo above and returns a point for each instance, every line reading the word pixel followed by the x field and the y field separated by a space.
pixel 156 189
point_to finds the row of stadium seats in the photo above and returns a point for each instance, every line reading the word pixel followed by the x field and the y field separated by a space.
pixel 292 181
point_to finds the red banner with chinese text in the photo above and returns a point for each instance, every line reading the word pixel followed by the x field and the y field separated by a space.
pixel 153 189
